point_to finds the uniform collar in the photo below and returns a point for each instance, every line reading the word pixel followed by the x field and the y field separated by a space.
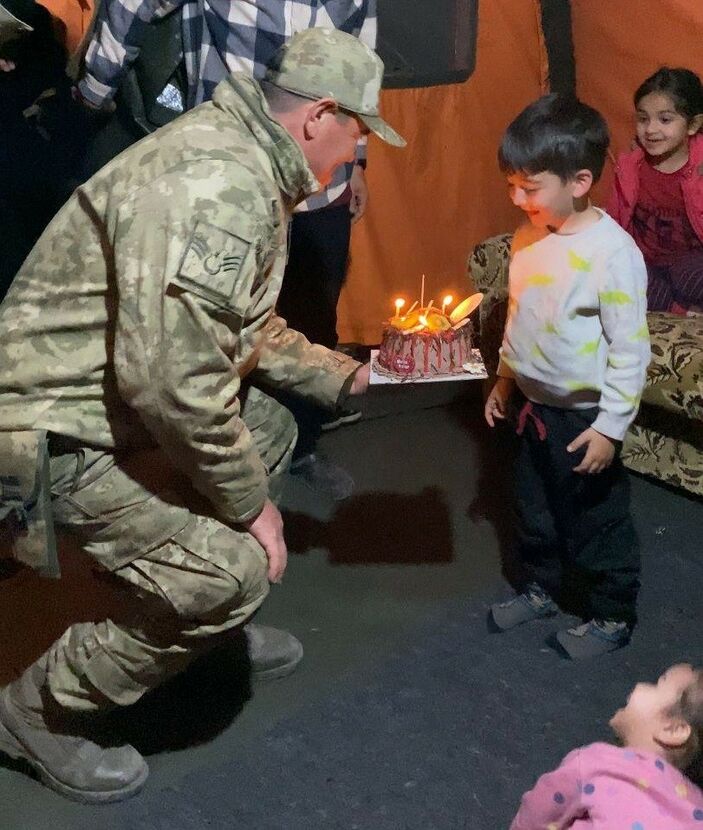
pixel 242 97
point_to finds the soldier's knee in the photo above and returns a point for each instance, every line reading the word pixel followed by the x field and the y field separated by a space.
pixel 228 593
pixel 282 437
pixel 208 572
pixel 274 430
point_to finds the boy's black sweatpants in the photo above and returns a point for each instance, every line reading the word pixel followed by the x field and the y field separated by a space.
pixel 574 532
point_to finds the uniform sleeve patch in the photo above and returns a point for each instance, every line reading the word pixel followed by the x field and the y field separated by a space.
pixel 213 263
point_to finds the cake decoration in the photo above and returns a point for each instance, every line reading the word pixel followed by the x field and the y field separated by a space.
pixel 426 341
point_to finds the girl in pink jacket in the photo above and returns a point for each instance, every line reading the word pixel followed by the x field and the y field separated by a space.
pixel 640 785
pixel 658 191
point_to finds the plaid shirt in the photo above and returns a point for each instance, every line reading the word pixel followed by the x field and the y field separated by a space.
pixel 222 36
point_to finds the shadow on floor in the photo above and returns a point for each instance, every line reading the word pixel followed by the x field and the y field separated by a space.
pixel 192 708
pixel 492 501
pixel 378 528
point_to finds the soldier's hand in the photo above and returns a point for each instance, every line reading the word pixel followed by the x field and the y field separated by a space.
pixel 361 380
pixel 267 529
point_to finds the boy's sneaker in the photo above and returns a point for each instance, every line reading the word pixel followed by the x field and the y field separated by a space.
pixel 533 604
pixel 340 418
pixel 593 638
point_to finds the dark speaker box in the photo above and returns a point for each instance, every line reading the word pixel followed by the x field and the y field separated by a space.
pixel 427 42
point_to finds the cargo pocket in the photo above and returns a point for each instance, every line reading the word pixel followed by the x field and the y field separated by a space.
pixel 210 571
pixel 137 532
pixel 25 499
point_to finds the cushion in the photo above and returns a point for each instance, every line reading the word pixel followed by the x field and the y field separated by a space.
pixel 675 375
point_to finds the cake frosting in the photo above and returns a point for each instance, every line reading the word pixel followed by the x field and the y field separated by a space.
pixel 424 353
pixel 427 342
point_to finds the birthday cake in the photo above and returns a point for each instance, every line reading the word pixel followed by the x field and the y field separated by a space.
pixel 428 343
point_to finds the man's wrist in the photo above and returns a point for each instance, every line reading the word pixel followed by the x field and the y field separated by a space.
pixel 84 94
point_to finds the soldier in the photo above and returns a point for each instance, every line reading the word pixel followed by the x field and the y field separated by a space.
pixel 136 344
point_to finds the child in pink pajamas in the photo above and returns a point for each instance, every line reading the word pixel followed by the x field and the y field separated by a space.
pixel 639 786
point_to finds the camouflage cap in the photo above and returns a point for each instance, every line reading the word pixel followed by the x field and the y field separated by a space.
pixel 326 63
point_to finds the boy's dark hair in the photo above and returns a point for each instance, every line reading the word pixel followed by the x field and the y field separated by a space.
pixel 681 85
pixel 556 134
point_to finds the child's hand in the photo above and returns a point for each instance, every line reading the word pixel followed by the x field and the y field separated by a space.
pixel 497 403
pixel 600 451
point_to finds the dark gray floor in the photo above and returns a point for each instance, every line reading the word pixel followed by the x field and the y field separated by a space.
pixel 406 712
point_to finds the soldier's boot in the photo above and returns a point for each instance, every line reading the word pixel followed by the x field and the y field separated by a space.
pixel 33 728
pixel 272 652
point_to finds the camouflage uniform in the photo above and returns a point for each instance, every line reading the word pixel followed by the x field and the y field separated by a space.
pixel 137 334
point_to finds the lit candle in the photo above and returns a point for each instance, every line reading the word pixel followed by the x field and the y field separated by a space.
pixel 399 303
pixel 423 320
pixel 445 302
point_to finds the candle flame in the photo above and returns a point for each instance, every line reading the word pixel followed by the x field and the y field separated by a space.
pixel 399 303
pixel 448 299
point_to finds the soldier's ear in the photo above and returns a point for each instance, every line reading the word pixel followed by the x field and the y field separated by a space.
pixel 315 115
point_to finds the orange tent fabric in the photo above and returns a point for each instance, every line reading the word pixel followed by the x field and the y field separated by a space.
pixel 431 202
pixel 72 19
pixel 618 45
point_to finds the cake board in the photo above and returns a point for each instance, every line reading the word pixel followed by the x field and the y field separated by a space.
pixel 476 372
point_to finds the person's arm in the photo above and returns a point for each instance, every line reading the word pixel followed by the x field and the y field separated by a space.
pixel 287 360
pixel 177 337
pixel 555 800
pixel 623 314
pixel 115 45
pixel 614 202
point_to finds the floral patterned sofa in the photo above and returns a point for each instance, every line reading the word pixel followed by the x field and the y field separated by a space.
pixel 666 440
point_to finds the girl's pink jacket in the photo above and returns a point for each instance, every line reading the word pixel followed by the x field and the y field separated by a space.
pixel 623 196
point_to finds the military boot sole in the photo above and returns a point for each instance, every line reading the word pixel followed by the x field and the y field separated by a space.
pixel 11 745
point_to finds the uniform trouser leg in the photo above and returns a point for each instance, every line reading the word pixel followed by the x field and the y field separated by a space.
pixel 187 576
pixel 591 516
pixel 312 282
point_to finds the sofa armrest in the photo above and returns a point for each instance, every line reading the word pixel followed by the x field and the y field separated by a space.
pixel 488 264
pixel 488 269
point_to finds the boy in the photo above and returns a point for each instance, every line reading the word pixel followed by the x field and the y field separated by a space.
pixel 640 785
pixel 576 346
